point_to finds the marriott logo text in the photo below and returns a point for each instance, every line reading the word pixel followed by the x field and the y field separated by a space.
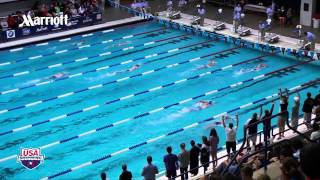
pixel 44 21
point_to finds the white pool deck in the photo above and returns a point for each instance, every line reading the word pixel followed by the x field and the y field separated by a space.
pixel 68 32
pixel 286 42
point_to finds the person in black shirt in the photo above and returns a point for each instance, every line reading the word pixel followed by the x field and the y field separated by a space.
pixel 194 158
pixel 205 153
pixel 103 176
pixel 267 121
pixel 125 175
pixel 307 109
pixel 253 129
pixel 284 112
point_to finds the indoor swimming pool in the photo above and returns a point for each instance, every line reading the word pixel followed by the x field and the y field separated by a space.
pixel 92 102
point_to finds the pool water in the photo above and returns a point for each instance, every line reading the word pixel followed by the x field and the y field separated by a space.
pixel 60 115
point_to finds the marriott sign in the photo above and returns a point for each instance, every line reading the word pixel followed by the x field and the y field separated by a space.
pixel 44 21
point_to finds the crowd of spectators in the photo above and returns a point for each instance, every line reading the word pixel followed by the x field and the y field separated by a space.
pixel 296 157
pixel 72 8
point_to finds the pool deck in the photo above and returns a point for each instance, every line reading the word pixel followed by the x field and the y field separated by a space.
pixel 285 42
pixel 69 32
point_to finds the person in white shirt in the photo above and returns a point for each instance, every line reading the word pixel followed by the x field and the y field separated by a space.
pixel 231 133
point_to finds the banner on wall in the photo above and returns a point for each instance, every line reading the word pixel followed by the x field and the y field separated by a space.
pixel 12 34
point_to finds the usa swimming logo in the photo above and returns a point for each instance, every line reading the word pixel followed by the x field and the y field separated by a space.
pixel 30 158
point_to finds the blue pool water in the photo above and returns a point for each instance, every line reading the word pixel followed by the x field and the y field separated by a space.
pixel 62 110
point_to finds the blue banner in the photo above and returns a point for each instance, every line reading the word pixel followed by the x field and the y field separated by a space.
pixel 76 22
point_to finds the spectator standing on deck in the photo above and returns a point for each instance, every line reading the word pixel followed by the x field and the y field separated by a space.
pixel 184 158
pixel 236 21
pixel 149 171
pixel 311 38
pixel 269 12
pixel 214 142
pixel 253 129
pixel 284 112
pixel 289 17
pixel 295 111
pixel 307 109
pixel 194 158
pixel 267 121
pixel 237 17
pixel 201 12
pixel 262 28
pixel 125 175
pixel 171 163
pixel 205 153
pixel 103 176
pixel 231 133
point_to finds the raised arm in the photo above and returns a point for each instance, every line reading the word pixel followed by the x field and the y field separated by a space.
pixel 237 119
pixel 271 110
pixel 298 94
pixel 287 92
pixel 223 121
pixel 280 92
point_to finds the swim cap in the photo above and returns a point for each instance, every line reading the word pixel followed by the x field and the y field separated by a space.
pixel 198 5
pixel 296 98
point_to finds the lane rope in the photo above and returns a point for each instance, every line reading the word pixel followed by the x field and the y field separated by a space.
pixel 88 58
pixel 144 92
pixel 118 80
pixel 98 33
pixel 102 68
pixel 76 47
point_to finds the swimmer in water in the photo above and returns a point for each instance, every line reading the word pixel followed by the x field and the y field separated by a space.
pixel 201 105
pixel 58 75
pixel 120 44
pixel 257 68
pixel 260 66
pixel 211 63
pixel 133 68
pixel 79 43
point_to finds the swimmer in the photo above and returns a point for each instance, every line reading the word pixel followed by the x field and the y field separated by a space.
pixel 257 68
pixel 120 44
pixel 210 64
pixel 79 43
pixel 58 75
pixel 133 68
pixel 200 105
pixel 260 67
